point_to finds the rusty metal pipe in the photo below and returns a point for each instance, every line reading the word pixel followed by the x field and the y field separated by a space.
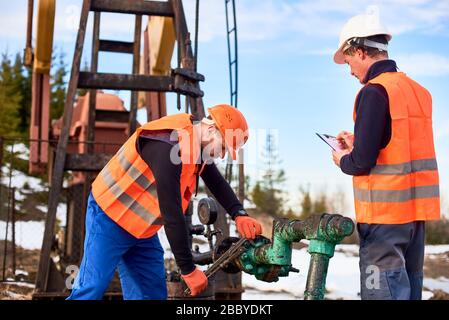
pixel 30 23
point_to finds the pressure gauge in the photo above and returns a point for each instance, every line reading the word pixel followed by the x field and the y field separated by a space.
pixel 207 211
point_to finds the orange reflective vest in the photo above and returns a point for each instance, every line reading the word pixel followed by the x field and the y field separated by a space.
pixel 403 186
pixel 125 189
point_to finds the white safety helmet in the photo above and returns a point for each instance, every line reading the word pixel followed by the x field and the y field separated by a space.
pixel 361 26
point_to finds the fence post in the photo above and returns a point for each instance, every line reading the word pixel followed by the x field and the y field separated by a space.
pixel 13 236
pixel 5 248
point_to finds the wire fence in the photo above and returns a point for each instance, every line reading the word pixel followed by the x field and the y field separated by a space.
pixel 23 209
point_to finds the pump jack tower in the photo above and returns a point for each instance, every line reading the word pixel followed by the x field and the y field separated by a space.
pixel 183 80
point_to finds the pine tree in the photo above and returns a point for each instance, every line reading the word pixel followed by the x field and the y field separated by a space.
pixel 306 203
pixel 58 87
pixel 10 98
pixel 258 196
pixel 311 206
pixel 320 205
pixel 267 193
pixel 290 214
pixel 22 79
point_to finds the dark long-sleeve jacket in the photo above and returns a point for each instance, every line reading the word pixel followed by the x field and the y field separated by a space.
pixel 372 129
pixel 156 154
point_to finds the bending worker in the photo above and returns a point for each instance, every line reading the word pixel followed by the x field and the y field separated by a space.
pixel 391 157
pixel 148 183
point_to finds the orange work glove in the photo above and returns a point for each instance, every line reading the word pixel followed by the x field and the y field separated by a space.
pixel 196 281
pixel 248 227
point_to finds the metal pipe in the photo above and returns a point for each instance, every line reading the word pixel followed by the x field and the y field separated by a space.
pixel 268 260
pixel 202 258
pixel 30 23
pixel 135 70
pixel 316 278
pixel 28 55
pixel 93 93
pixel 197 22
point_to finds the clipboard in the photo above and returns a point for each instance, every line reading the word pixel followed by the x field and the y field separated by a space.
pixel 330 140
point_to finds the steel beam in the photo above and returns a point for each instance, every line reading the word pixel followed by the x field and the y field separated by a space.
pixel 112 116
pixel 86 162
pixel 151 8
pixel 89 80
pixel 116 46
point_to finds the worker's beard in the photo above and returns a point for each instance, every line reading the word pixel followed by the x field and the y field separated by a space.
pixel 210 152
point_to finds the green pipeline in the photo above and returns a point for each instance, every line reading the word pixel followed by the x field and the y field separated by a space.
pixel 268 260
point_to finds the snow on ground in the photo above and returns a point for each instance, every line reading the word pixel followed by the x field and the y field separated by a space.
pixel 41 207
pixel 20 283
pixel 21 272
pixel 436 249
pixel 19 179
pixel 343 275
pixel 348 249
pixel 426 295
pixel 61 213
pixel 20 151
pixel 29 234
pixel 440 283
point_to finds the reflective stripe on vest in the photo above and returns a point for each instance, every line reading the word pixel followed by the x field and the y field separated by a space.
pixel 404 185
pixel 126 189
pixel 397 195
pixel 124 198
pixel 406 167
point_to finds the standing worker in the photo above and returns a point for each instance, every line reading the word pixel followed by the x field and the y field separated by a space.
pixel 391 157
pixel 148 183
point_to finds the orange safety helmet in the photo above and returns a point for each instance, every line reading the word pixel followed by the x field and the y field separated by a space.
pixel 232 125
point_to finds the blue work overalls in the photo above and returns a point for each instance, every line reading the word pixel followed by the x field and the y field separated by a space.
pixel 107 246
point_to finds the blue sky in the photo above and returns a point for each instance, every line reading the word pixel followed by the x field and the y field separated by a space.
pixel 288 82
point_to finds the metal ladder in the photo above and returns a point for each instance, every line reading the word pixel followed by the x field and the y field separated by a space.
pixel 231 28
pixel 231 36
pixel 183 80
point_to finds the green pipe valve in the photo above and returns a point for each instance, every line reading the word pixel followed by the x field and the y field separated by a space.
pixel 268 260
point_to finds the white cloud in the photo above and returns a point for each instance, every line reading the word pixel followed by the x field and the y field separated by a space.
pixel 423 64
pixel 262 20
pixel 257 20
